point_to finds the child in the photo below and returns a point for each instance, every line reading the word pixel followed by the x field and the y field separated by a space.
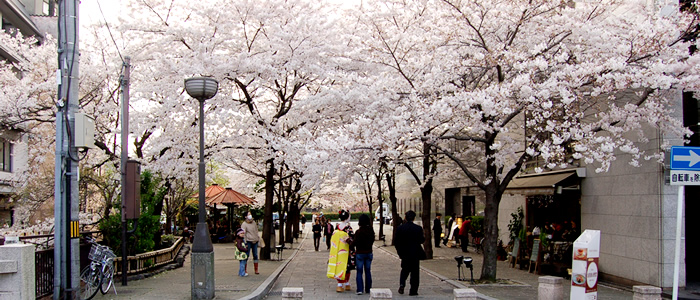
pixel 241 252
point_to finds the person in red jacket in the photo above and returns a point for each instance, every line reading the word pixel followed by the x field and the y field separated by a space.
pixel 464 233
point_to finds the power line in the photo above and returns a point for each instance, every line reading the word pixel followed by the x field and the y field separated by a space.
pixel 109 30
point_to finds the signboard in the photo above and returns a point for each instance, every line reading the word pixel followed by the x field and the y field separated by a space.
pixel 685 177
pixel 535 250
pixel 685 158
pixel 584 267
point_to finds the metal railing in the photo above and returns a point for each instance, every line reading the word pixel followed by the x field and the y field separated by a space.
pixel 44 261
pixel 44 272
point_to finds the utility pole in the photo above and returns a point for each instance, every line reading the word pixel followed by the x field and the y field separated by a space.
pixel 125 157
pixel 66 201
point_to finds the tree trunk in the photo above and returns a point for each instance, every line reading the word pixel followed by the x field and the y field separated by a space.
pixel 391 183
pixel 265 250
pixel 292 223
pixel 283 222
pixel 490 241
pixel 426 196
pixel 381 201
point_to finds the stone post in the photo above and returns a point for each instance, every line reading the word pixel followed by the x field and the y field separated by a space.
pixel 465 294
pixel 17 272
pixel 379 294
pixel 550 288
pixel 646 292
pixel 293 293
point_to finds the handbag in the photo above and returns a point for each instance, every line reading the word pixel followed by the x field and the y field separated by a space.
pixel 352 262
pixel 421 254
pixel 240 255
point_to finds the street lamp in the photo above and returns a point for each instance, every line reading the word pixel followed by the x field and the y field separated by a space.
pixel 202 88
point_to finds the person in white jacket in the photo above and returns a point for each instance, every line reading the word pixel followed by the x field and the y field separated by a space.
pixel 252 238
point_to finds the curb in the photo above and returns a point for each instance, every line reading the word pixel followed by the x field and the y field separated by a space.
pixel 265 287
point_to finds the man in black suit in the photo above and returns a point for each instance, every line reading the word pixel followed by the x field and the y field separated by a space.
pixel 408 243
pixel 437 229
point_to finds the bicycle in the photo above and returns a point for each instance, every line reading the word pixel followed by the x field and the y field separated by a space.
pixel 99 275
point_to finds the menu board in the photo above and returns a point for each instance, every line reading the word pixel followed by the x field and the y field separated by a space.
pixel 584 266
pixel 535 250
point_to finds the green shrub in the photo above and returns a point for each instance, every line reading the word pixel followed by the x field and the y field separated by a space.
pixel 142 239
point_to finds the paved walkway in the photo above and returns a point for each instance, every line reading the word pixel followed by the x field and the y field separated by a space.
pixel 175 284
pixel 308 270
pixel 438 276
pixel 303 267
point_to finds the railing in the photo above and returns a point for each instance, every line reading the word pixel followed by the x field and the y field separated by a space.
pixel 44 260
pixel 145 261
pixel 44 272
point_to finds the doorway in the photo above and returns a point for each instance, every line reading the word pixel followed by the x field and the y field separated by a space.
pixel 468 203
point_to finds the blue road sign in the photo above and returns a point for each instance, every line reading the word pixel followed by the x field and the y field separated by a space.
pixel 685 158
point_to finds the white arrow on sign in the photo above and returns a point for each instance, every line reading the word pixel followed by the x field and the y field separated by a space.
pixel 693 158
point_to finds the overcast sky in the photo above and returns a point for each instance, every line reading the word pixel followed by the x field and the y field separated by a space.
pixel 90 12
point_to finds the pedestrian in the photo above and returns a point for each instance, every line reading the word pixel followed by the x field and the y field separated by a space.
pixel 317 229
pixel 408 241
pixel 327 232
pixel 186 235
pixel 240 252
pixel 448 229
pixel 303 221
pixel 339 259
pixel 437 229
pixel 363 241
pixel 464 233
pixel 252 239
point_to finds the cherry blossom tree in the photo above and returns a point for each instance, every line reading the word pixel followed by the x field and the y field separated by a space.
pixel 33 108
pixel 274 61
pixel 582 79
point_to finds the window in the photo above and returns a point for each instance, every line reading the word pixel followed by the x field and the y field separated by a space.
pixel 5 155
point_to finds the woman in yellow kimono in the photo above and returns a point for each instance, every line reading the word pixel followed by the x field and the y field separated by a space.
pixel 339 256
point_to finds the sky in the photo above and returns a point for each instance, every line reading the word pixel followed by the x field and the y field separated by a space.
pixel 90 11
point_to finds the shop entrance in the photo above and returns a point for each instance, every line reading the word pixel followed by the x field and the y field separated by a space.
pixel 468 205
pixel 555 220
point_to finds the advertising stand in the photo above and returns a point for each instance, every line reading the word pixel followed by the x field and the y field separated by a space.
pixel 584 267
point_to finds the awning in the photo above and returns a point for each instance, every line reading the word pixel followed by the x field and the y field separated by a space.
pixel 540 180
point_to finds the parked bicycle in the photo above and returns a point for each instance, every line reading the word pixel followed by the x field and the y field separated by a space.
pixel 99 275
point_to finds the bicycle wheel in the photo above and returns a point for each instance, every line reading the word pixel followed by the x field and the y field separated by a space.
pixel 89 283
pixel 107 278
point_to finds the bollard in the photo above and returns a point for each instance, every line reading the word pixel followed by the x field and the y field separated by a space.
pixel 17 272
pixel 646 292
pixel 465 294
pixel 295 293
pixel 379 294
pixel 550 288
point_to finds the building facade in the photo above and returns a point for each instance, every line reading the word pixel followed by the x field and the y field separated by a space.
pixel 18 17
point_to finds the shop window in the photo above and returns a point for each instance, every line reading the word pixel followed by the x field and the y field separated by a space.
pixel 5 156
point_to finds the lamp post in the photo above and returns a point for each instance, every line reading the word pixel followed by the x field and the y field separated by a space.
pixel 202 283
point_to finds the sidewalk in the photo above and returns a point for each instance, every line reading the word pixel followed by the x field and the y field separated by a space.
pixel 303 267
pixel 308 271
pixel 437 280
pixel 175 284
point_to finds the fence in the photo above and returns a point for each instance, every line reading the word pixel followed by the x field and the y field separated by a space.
pixel 44 261
pixel 145 261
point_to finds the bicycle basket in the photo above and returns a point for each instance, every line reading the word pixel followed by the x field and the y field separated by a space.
pixel 108 254
pixel 95 252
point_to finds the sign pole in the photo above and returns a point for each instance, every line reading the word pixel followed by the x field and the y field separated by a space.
pixel 677 260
